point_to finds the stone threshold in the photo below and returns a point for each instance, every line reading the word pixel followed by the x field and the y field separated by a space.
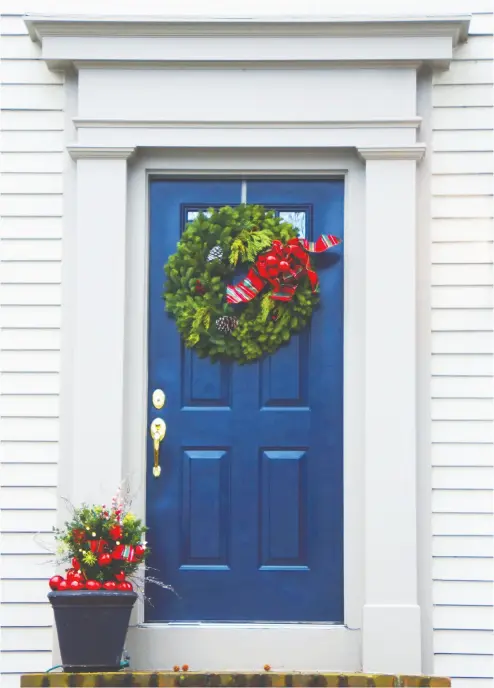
pixel 168 679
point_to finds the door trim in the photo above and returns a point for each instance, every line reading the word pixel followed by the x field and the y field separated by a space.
pixel 158 645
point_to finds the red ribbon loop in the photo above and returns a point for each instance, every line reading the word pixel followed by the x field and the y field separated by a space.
pixel 281 267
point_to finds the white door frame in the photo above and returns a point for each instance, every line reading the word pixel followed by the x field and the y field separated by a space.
pixel 250 646
pixel 131 102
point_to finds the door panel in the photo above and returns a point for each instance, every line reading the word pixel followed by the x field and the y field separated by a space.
pixel 246 518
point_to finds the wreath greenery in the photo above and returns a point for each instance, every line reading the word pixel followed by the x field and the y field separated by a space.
pixel 208 256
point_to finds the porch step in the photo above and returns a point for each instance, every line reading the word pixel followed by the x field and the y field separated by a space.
pixel 167 679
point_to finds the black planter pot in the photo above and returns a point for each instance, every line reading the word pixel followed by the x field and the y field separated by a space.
pixel 91 628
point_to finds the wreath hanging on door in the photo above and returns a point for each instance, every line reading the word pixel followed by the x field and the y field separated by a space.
pixel 241 322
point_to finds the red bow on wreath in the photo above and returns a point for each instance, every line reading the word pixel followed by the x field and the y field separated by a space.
pixel 281 267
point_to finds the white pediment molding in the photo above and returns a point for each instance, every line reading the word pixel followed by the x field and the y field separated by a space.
pixel 78 40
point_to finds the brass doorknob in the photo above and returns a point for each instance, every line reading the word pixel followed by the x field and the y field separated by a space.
pixel 158 431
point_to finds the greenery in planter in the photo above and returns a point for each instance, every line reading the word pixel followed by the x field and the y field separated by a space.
pixel 104 545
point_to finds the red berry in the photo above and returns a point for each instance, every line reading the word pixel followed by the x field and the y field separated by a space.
pixel 76 585
pixel 75 564
pixel 104 559
pixel 120 576
pixel 63 585
pixel 110 585
pixel 176 668
pixel 93 585
pixel 185 667
pixel 55 581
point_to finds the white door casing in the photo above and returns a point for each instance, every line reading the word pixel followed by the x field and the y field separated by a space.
pixel 318 96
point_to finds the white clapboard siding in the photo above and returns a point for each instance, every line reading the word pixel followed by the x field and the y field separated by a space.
pixel 35 228
pixel 27 567
pixel 446 95
pixel 30 184
pixel 457 275
pixel 463 569
pixel 471 641
pixel 39 205
pixel 457 252
pixel 461 230
pixel 462 163
pixel 462 501
pixel 462 454
pixel 30 361
pixel 32 162
pixel 458 319
pixel 454 388
pixel 29 474
pixel 31 249
pixel 20 451
pixel 458 119
pixel 455 342
pixel 24 272
pixel 32 120
pixel 32 339
pixel 462 384
pixel 27 639
pixel 460 184
pixel 29 72
pixel 22 497
pixel 30 383
pixel 30 316
pixel 462 206
pixel 462 545
pixel 461 364
pixel 463 593
pixel 28 543
pixel 480 140
pixel 23 520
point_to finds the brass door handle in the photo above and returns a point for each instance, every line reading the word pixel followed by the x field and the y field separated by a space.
pixel 157 430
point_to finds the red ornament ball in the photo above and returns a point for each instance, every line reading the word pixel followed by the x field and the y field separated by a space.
pixel 70 574
pixel 284 265
pixel 93 585
pixel 110 585
pixel 126 586
pixel 75 564
pixel 140 550
pixel 104 559
pixel 76 585
pixel 77 576
pixel 54 582
pixel 116 532
pixel 271 261
pixel 63 585
pixel 120 576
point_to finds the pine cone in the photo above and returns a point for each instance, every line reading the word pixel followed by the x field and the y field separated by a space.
pixel 226 324
pixel 216 253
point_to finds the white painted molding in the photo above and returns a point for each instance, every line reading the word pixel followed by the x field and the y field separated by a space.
pixel 454 27
pixel 296 41
pixel 79 152
pixel 415 152
pixel 384 123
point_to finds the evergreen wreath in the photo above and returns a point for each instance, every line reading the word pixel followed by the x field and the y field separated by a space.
pixel 209 253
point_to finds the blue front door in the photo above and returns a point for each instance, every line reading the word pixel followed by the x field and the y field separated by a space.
pixel 246 519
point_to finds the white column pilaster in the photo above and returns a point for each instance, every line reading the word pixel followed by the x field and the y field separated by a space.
pixel 391 615
pixel 99 308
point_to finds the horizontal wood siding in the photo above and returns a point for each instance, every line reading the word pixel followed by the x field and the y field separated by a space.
pixel 31 251
pixel 462 385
